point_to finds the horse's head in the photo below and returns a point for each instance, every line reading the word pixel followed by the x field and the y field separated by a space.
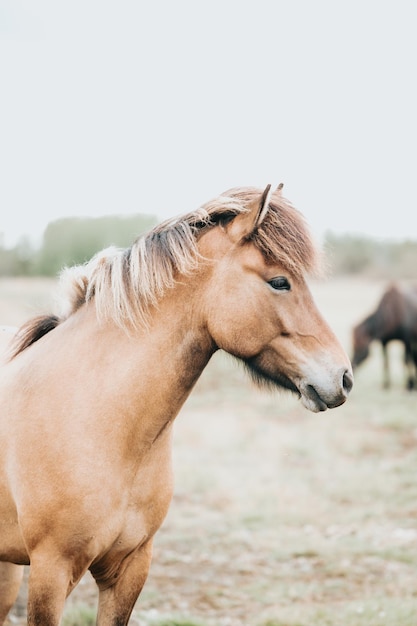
pixel 258 306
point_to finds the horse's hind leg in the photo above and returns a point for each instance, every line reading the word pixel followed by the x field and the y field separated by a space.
pixel 10 579
pixel 409 365
pixel 413 366
pixel 117 599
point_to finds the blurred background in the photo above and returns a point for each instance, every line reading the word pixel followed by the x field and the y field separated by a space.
pixel 113 108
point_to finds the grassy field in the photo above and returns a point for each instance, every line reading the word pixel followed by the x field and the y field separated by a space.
pixel 280 517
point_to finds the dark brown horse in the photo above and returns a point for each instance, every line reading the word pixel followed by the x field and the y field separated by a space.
pixel 395 318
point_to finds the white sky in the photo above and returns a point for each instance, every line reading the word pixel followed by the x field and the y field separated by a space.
pixel 116 107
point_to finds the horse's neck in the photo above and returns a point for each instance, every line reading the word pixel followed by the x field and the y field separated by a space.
pixel 150 373
pixel 371 325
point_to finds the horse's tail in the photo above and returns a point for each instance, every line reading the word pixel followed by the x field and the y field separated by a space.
pixel 33 330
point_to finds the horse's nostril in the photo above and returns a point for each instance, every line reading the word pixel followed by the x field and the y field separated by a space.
pixel 347 382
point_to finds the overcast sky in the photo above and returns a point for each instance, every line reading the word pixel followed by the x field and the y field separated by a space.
pixel 117 107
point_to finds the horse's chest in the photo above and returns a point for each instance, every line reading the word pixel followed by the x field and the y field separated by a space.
pixel 148 499
pixel 127 528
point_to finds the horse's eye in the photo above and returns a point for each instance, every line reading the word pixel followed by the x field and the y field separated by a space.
pixel 280 284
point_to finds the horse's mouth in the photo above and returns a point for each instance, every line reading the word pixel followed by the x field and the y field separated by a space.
pixel 319 399
pixel 310 397
pixel 311 400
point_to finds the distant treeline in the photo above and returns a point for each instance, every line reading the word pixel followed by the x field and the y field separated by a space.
pixel 72 241
pixel 374 258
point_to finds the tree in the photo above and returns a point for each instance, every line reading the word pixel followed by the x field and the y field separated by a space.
pixel 73 241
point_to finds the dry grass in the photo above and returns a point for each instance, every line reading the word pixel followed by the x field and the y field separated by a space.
pixel 281 517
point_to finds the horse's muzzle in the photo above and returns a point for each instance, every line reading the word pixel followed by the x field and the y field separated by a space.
pixel 321 396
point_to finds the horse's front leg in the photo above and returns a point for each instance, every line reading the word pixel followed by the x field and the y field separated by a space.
pixel 10 579
pixel 117 597
pixel 51 578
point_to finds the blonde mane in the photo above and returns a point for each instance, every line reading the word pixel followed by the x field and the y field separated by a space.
pixel 125 283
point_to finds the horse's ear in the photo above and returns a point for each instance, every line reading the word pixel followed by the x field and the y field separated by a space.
pixel 243 226
pixel 262 208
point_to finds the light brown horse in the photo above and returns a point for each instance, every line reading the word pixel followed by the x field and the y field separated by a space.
pixel 88 398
